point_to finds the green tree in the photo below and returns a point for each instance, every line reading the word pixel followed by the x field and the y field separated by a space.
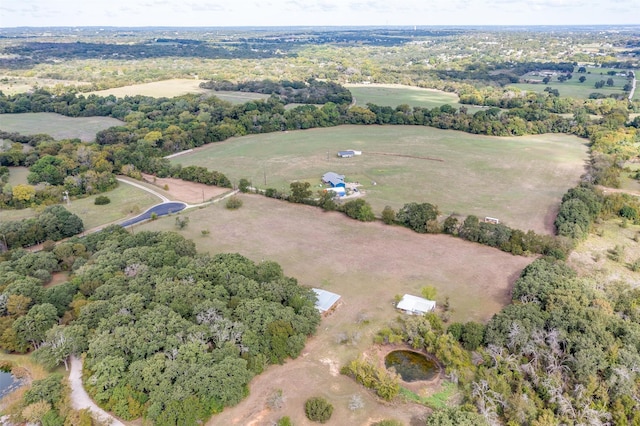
pixel 359 209
pixel 416 216
pixel 318 409
pixel 244 185
pixel 300 192
pixel 388 215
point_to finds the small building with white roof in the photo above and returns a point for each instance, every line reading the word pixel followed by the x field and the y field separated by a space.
pixel 326 300
pixel 414 305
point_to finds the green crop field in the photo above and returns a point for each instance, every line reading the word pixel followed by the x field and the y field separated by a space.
pixel 573 88
pixel 396 94
pixel 56 125
pixel 518 180
pixel 126 201
pixel 177 87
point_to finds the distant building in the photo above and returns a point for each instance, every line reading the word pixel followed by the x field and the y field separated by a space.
pixel 340 191
pixel 326 300
pixel 346 154
pixel 333 179
pixel 414 305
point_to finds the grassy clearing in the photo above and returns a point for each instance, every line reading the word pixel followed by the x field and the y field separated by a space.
pixel 18 175
pixel 126 201
pixel 437 400
pixel 397 94
pixel 519 180
pixel 178 87
pixel 10 85
pixel 56 125
pixel 595 256
pixel 573 88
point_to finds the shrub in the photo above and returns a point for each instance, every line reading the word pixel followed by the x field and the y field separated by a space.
pixel 234 203
pixel 388 215
pixel 101 200
pixel 318 409
pixel 244 185
pixel 285 421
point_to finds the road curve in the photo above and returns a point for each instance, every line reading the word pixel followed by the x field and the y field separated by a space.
pixel 81 400
pixel 144 188
pixel 159 210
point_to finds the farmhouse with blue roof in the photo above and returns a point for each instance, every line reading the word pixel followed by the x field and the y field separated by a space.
pixel 333 179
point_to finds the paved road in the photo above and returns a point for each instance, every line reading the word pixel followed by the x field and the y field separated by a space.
pixel 159 209
pixel 80 399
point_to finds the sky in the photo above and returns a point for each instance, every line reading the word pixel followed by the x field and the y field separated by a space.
pixel 221 13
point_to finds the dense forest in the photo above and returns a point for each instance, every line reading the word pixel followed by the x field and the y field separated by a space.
pixel 170 335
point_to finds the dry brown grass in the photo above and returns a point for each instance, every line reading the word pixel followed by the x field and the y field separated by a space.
pixel 367 264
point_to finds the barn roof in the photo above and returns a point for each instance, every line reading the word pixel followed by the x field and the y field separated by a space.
pixel 326 299
pixel 331 176
pixel 416 304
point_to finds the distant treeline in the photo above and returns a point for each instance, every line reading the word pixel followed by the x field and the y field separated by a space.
pixel 32 53
pixel 309 92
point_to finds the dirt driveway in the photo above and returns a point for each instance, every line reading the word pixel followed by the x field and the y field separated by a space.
pixel 181 190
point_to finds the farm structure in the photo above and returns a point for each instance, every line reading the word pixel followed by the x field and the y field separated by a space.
pixel 334 179
pixel 326 300
pixel 339 191
pixel 349 153
pixel 414 305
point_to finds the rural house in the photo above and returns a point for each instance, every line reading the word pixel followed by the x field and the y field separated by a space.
pixel 326 300
pixel 333 179
pixel 414 305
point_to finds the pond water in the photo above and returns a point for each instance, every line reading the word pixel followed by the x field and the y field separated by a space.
pixel 7 383
pixel 411 366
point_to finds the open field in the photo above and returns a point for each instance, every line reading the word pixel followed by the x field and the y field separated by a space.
pixel 10 85
pixel 126 201
pixel 366 263
pixel 56 125
pixel 592 257
pixel 573 88
pixel 397 94
pixel 177 87
pixel 18 175
pixel 519 180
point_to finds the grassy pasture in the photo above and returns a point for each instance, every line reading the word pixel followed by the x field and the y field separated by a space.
pixel 126 201
pixel 18 175
pixel 11 85
pixel 56 125
pixel 397 94
pixel 519 180
pixel 367 264
pixel 592 257
pixel 573 88
pixel 177 87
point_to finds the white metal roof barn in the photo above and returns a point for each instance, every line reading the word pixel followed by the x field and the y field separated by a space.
pixel 326 300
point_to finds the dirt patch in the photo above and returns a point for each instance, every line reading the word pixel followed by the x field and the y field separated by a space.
pixel 188 192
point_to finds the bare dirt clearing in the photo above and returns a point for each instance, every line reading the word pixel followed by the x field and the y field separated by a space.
pixel 188 192
pixel 367 264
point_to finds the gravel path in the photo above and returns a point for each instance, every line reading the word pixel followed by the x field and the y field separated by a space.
pixel 80 399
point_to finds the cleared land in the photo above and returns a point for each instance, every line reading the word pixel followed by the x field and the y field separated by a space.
pixel 10 85
pixel 177 87
pixel 397 94
pixel 594 257
pixel 573 88
pixel 366 263
pixel 56 125
pixel 519 180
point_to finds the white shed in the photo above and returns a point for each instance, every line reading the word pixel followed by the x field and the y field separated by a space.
pixel 414 305
pixel 326 300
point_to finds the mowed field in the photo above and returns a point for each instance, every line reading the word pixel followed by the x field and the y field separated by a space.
pixel 397 94
pixel 177 87
pixel 56 125
pixel 367 264
pixel 519 180
pixel 573 88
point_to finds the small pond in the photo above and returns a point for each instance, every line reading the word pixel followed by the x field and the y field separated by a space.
pixel 411 366
pixel 8 383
